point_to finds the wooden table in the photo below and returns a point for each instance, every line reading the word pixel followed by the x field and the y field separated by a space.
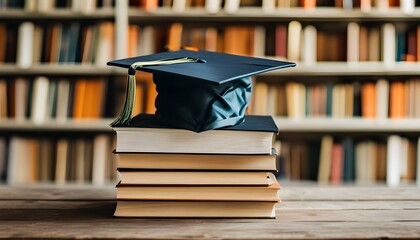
pixel 305 213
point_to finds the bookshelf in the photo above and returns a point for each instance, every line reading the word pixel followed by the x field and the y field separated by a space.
pixel 56 14
pixel 328 125
pixel 59 70
pixel 373 69
pixel 257 15
pixel 91 126
pixel 123 16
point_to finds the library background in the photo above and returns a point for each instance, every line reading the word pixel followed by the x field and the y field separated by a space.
pixel 348 113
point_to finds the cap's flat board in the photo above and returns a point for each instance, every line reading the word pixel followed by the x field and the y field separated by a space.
pixel 218 68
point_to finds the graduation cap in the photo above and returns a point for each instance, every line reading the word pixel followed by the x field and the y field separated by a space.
pixel 197 90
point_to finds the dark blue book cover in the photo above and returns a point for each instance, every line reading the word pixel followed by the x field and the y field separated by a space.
pixel 73 42
pixel 65 41
pixel 349 160
pixel 401 46
pixel 314 150
pixel 251 123
pixel 329 99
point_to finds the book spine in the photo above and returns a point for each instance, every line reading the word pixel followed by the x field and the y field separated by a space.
pixel 393 161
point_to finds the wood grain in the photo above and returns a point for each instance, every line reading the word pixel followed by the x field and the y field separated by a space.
pixel 287 193
pixel 305 213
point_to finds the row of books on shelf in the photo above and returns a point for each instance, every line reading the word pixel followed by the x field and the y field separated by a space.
pixel 29 160
pixel 42 99
pixel 382 99
pixel 336 161
pixel 307 44
pixel 29 43
pixel 212 6
pixel 231 6
pixel 45 6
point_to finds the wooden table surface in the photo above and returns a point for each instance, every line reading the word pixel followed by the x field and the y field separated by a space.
pixel 318 212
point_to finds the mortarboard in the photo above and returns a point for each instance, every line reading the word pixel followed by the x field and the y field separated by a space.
pixel 197 90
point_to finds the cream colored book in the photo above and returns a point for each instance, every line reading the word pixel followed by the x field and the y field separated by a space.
pixel 348 100
pixel 179 5
pixel 199 193
pixel 231 6
pixel 63 92
pixel 382 98
pixel 260 98
pixel 101 145
pixel 195 209
pixel 374 45
pixel 353 30
pixel 61 163
pixel 325 158
pixel 196 161
pixel 25 44
pixel 382 5
pixel 362 162
pixel 259 41
pixel 40 100
pixel 388 44
pixel 393 165
pixel 147 40
pixel 295 94
pixel 407 6
pixel 268 6
pixel 104 50
pixel 196 178
pixel 213 6
pixel 293 40
pixel 146 135
pixel 45 5
pixel 309 45
pixel 272 100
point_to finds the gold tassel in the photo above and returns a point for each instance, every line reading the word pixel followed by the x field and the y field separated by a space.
pixel 125 116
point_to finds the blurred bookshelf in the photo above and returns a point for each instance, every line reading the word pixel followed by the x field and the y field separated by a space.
pixel 257 14
pixel 93 126
pixel 59 70
pixel 377 69
pixel 351 59
pixel 56 14
pixel 328 125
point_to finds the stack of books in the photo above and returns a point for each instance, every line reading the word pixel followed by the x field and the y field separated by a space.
pixel 169 172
